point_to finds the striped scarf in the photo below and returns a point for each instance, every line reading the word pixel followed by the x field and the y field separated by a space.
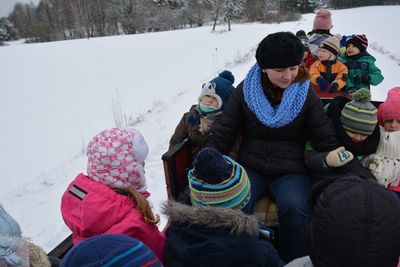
pixel 234 192
pixel 292 103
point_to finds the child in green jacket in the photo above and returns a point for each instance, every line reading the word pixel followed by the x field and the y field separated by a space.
pixel 361 65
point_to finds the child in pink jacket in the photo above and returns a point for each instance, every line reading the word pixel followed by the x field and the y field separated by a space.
pixel 111 198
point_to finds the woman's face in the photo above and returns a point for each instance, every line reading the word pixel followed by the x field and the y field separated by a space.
pixel 282 78
pixel 392 125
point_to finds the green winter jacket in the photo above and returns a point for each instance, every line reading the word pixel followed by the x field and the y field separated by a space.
pixel 362 71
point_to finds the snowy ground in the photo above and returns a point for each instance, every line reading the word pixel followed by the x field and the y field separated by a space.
pixel 55 96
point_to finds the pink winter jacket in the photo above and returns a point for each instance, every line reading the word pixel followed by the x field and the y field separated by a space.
pixel 90 208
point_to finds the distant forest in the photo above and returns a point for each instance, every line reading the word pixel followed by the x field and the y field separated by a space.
pixel 52 20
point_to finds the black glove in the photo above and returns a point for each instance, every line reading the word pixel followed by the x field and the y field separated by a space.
pixel 362 78
pixel 322 84
pixel 334 87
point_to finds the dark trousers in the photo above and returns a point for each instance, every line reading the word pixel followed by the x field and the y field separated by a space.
pixel 290 193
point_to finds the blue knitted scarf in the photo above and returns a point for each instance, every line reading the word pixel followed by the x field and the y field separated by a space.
pixel 292 100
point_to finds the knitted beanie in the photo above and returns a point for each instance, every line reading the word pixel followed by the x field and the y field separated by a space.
pixel 360 41
pixel 217 180
pixel 279 50
pixel 110 250
pixel 353 222
pixel 322 20
pixel 331 44
pixel 390 109
pixel 359 115
pixel 13 249
pixel 303 38
pixel 116 159
pixel 220 87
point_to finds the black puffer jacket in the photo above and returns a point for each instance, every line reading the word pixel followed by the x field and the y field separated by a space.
pixel 354 222
pixel 208 236
pixel 274 151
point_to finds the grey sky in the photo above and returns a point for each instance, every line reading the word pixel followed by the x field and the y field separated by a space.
pixel 6 6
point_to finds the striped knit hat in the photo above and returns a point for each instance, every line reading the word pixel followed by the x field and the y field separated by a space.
pixel 360 41
pixel 110 250
pixel 332 44
pixel 359 115
pixel 217 180
pixel 390 109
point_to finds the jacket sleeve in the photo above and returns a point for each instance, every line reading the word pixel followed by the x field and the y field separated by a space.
pixel 314 72
pixel 226 130
pixel 180 132
pixel 322 134
pixel 375 74
pixel 341 77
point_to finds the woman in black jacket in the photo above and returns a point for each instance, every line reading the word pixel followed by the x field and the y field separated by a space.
pixel 275 111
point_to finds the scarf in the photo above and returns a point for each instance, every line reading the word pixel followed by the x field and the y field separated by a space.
pixel 292 102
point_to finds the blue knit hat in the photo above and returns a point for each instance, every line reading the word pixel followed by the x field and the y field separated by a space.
pixel 219 181
pixel 110 250
pixel 13 249
pixel 220 87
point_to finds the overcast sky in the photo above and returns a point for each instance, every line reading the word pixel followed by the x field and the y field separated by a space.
pixel 6 6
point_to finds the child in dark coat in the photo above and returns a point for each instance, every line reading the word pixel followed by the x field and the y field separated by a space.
pixel 215 231
pixel 361 65
pixel 197 122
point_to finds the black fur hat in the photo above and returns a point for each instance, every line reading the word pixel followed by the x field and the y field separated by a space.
pixel 279 50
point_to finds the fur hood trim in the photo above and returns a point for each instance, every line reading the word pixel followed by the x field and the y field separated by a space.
pixel 211 217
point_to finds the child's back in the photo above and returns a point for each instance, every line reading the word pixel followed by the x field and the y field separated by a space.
pixel 361 65
pixel 112 197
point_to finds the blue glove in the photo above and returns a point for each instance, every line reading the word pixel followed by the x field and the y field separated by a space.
pixel 334 87
pixel 322 84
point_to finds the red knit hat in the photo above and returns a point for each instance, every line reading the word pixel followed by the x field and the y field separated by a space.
pixel 116 159
pixel 322 20
pixel 358 40
pixel 390 109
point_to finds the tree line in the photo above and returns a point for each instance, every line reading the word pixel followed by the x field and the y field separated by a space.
pixel 52 20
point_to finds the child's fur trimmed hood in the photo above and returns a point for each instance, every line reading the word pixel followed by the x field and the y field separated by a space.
pixel 211 217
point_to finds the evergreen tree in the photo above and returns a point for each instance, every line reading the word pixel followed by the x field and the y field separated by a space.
pixel 7 30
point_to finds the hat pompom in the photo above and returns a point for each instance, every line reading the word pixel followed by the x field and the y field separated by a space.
pixel 226 74
pixel 210 166
pixel 362 95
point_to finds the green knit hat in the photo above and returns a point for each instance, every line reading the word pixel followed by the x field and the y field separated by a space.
pixel 360 115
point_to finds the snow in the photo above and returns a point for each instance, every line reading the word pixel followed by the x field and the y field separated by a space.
pixel 56 96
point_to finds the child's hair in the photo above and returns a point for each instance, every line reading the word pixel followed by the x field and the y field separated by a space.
pixel 142 203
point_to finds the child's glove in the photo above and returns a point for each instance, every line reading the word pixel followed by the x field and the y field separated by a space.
pixel 338 157
pixel 334 87
pixel 322 84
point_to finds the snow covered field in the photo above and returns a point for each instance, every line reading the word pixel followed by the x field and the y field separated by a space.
pixel 54 97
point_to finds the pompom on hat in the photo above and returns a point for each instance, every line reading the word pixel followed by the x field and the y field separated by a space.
pixel 110 250
pixel 360 41
pixel 359 115
pixel 220 87
pixel 279 50
pixel 390 109
pixel 217 180
pixel 116 159
pixel 323 20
